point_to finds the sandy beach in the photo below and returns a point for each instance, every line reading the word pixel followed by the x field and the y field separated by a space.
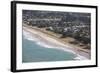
pixel 56 42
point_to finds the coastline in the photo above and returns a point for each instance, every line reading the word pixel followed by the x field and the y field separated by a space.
pixel 81 55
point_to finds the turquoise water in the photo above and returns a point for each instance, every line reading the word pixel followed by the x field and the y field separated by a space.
pixel 32 52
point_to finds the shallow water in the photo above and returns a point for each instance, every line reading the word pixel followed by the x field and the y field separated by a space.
pixel 33 52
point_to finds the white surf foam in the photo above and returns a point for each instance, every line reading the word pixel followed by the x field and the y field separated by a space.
pixel 28 36
pixel 44 45
pixel 79 57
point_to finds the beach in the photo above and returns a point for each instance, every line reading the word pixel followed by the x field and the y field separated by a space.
pixel 49 41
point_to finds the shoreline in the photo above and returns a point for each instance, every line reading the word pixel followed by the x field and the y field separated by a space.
pixel 46 43
pixel 80 54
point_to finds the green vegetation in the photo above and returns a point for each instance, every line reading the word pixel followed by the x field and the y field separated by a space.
pixel 68 24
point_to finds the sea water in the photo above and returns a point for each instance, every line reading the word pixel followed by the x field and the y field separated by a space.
pixel 33 52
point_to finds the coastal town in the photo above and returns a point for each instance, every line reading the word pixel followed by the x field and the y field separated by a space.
pixel 70 28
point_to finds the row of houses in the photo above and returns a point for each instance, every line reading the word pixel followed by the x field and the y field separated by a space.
pixel 66 24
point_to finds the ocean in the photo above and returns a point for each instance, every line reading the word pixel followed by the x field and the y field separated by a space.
pixel 35 51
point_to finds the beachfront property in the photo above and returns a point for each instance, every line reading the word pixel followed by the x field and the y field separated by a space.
pixel 55 36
